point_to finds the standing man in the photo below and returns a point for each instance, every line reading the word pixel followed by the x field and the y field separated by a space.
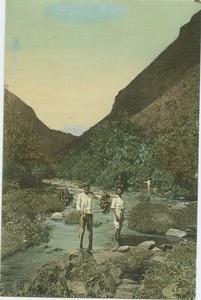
pixel 118 210
pixel 84 207
pixel 148 182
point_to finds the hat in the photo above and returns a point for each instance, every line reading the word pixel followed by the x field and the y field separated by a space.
pixel 86 184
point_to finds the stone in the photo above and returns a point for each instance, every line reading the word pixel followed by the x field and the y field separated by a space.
pixel 147 245
pixel 178 206
pixel 169 291
pixel 176 232
pixel 77 288
pixel 57 216
pixel 165 247
pixel 123 248
pixel 160 259
pixel 156 249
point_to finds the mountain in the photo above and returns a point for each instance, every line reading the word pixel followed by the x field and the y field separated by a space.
pixel 169 86
pixel 51 142
pixel 152 130
pixel 177 103
pixel 163 73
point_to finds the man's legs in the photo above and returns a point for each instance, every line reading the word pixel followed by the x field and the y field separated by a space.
pixel 82 229
pixel 90 230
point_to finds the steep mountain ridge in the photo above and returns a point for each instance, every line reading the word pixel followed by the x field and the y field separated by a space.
pixel 51 142
pixel 163 73
pixel 179 102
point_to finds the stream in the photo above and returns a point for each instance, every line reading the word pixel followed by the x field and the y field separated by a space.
pixel 17 268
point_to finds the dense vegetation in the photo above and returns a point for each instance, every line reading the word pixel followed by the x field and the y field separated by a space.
pixel 119 151
pixel 153 217
pixel 24 197
pixel 23 163
pixel 174 279
pixel 23 216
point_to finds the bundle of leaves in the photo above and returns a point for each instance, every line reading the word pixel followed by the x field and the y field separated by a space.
pixel 174 279
pixel 105 203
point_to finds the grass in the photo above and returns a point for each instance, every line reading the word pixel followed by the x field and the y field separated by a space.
pixel 174 279
pixel 23 214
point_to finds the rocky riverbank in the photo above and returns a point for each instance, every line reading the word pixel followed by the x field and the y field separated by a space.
pixel 134 270
pixel 144 271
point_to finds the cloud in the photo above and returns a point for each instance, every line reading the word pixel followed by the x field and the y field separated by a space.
pixel 85 13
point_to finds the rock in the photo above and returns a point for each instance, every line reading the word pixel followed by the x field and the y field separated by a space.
pixel 182 198
pixel 169 291
pixel 125 289
pixel 123 248
pixel 160 259
pixel 176 232
pixel 178 206
pixel 77 288
pixel 57 249
pixel 156 249
pixel 147 245
pixel 57 216
pixel 165 247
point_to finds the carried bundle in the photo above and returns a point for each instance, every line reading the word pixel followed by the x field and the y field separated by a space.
pixel 65 197
pixel 105 203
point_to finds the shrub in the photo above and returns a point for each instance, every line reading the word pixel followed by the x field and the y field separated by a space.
pixel 72 218
pixel 150 217
pixel 177 274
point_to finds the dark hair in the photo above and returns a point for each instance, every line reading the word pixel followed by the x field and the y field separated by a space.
pixel 119 186
pixel 86 184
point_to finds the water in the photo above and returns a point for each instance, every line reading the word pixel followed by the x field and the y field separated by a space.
pixel 18 268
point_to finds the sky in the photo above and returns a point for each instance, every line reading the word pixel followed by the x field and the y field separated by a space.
pixel 69 59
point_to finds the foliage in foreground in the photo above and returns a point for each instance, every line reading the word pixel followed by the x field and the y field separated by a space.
pixel 174 279
pixel 22 217
pixel 151 217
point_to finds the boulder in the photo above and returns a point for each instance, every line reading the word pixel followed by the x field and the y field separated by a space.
pixel 176 232
pixel 178 206
pixel 123 248
pixel 169 291
pixel 165 247
pixel 57 216
pixel 147 245
pixel 160 259
pixel 155 249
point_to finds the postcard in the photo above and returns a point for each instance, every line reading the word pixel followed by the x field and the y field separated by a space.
pixel 100 139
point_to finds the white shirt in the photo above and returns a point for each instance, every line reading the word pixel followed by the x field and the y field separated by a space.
pixel 117 203
pixel 84 203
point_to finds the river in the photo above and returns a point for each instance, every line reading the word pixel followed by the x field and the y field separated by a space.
pixel 17 268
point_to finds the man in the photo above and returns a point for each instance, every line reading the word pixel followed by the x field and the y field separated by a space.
pixel 118 210
pixel 148 182
pixel 84 207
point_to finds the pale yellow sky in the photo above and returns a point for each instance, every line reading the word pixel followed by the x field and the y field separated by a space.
pixel 69 59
